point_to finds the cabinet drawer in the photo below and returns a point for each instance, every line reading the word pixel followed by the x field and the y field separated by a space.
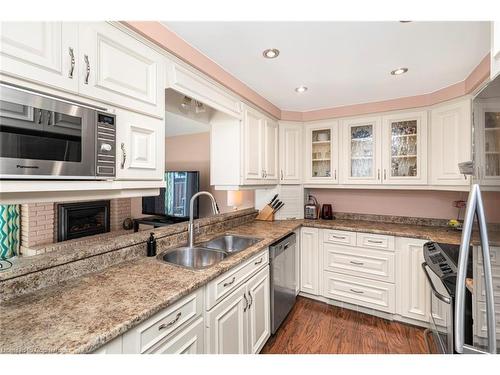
pixel 373 294
pixel 144 336
pixel 219 288
pixel 189 340
pixel 373 264
pixel 339 236
pixel 494 255
pixel 375 241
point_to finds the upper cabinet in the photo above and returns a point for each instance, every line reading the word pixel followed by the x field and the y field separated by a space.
pixel 92 59
pixel 117 68
pixel 450 142
pixel 42 52
pixel 290 152
pixel 243 152
pixel 140 147
pixel 361 152
pixel 495 49
pixel 322 154
pixel 405 148
pixel 487 140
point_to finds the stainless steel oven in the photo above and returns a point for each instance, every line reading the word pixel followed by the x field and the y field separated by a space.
pixel 43 137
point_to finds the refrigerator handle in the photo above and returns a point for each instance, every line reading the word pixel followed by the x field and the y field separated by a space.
pixel 474 207
pixel 485 248
pixel 462 271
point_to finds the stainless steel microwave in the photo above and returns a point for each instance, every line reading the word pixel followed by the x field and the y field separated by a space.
pixel 43 137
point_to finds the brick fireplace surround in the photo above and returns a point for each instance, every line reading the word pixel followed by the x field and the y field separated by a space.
pixel 39 222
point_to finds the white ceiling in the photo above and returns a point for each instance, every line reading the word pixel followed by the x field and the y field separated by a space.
pixel 341 63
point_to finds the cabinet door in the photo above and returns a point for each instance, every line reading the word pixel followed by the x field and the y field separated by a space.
pixel 290 148
pixel 119 69
pixel 227 324
pixel 189 340
pixel 259 311
pixel 270 150
pixel 413 287
pixel 41 52
pixel 451 133
pixel 361 151
pixel 487 142
pixel 140 144
pixel 495 49
pixel 253 145
pixel 309 260
pixel 322 152
pixel 404 148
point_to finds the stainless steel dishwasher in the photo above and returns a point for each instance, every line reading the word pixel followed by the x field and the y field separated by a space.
pixel 283 279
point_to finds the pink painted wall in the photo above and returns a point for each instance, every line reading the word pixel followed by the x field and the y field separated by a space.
pixel 192 152
pixel 415 203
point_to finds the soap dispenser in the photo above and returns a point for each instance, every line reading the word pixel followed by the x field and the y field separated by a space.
pixel 151 245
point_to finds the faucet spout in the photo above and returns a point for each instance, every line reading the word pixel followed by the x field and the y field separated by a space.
pixel 215 210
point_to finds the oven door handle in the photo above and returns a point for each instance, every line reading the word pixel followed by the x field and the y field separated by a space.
pixel 434 290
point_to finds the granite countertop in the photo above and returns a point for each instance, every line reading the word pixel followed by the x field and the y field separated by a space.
pixel 82 314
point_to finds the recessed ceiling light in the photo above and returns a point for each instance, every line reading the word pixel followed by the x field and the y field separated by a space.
pixel 301 89
pixel 398 71
pixel 271 53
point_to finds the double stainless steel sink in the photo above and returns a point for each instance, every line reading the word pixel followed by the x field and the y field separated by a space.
pixel 208 253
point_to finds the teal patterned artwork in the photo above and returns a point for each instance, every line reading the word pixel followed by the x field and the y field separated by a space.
pixel 9 231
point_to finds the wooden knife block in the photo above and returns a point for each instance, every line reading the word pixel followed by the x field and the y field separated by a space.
pixel 266 214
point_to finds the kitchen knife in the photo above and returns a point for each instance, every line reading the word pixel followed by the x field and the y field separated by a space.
pixel 272 200
pixel 275 204
pixel 278 207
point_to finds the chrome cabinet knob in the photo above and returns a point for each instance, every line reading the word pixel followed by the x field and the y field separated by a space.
pixel 106 147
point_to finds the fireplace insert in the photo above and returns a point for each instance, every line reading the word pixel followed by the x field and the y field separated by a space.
pixel 82 219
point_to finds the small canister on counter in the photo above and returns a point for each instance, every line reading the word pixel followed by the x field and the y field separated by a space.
pixel 151 245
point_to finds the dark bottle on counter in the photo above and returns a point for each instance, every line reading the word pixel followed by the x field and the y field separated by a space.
pixel 151 245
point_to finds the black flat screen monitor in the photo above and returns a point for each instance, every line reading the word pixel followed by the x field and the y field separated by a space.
pixel 173 200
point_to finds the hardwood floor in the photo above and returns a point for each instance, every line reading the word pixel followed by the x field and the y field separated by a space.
pixel 316 327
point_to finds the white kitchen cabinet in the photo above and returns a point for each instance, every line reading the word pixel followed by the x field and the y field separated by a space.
pixel 404 145
pixel 115 346
pixel 321 158
pixel 290 152
pixel 116 68
pixel 450 142
pixel 413 297
pixel 243 153
pixel 240 323
pixel 495 49
pixel 361 151
pixel 42 52
pixel 140 145
pixel 188 341
pixel 487 141
pixel 309 260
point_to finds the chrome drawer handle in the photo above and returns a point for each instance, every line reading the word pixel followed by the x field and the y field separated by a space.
pixel 246 302
pixel 258 262
pixel 124 155
pixel 356 263
pixel 357 291
pixel 87 62
pixel 72 67
pixel 170 324
pixel 373 241
pixel 229 283
pixel 251 300
pixel 338 237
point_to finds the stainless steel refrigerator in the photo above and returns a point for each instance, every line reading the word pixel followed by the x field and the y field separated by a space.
pixel 480 232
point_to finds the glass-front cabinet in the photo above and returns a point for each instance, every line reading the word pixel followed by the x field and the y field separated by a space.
pixel 487 148
pixel 361 153
pixel 405 148
pixel 322 152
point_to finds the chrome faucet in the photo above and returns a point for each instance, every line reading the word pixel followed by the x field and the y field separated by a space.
pixel 215 210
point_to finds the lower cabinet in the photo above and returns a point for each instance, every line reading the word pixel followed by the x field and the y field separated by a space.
pixel 189 341
pixel 309 260
pixel 240 323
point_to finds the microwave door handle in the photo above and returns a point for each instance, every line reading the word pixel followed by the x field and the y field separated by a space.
pixel 433 287
pixel 459 321
pixel 485 248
